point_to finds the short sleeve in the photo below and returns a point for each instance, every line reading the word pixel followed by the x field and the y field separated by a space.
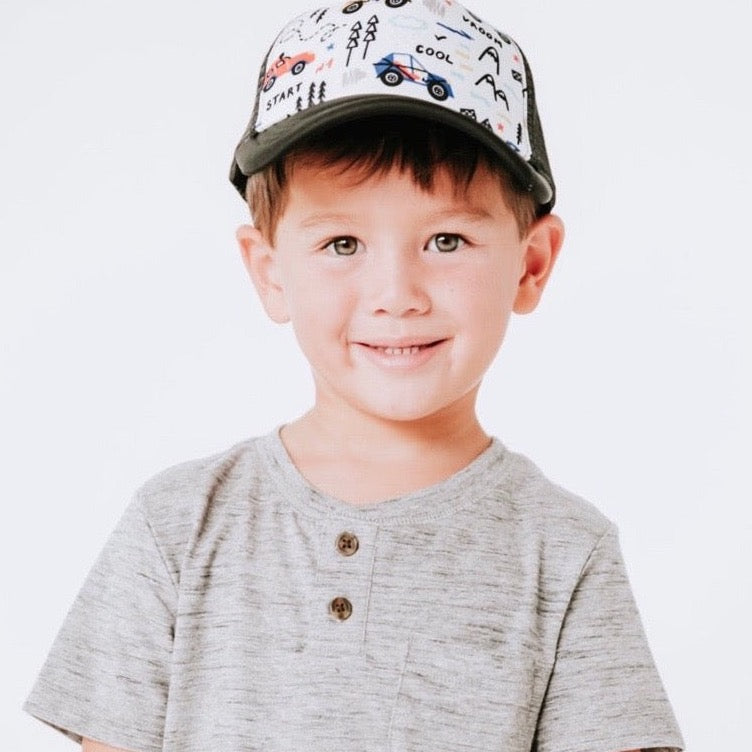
pixel 604 693
pixel 107 674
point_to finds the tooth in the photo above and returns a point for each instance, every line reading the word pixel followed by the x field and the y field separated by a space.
pixel 407 350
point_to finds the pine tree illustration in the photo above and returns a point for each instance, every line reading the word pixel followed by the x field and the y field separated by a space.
pixel 299 105
pixel 311 95
pixel 373 22
pixel 519 133
pixel 322 91
pixel 354 40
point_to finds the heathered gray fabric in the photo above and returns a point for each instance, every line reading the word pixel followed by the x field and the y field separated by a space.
pixel 490 612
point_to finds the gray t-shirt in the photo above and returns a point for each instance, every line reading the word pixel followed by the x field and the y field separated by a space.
pixel 236 608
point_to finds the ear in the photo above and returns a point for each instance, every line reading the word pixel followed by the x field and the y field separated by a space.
pixel 541 248
pixel 260 261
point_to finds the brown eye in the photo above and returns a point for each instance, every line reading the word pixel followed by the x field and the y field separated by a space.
pixel 445 242
pixel 344 246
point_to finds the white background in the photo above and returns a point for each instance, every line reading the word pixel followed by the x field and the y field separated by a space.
pixel 131 339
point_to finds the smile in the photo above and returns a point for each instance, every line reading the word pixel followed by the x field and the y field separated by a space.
pixel 407 349
pixel 400 356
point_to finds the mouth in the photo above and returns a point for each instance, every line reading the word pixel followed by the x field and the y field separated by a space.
pixel 406 349
pixel 401 355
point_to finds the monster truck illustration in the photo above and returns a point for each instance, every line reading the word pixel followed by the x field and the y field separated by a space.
pixel 358 4
pixel 402 66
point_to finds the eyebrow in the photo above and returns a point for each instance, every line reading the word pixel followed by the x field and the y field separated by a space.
pixel 325 218
pixel 474 214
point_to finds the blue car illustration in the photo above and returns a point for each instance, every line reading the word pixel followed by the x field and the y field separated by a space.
pixel 402 66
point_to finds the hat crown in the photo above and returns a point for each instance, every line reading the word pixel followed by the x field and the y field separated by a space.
pixel 427 58
pixel 433 51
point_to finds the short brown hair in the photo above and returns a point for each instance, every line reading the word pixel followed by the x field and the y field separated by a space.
pixel 375 146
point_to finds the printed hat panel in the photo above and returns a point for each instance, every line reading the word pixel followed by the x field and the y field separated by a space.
pixel 435 51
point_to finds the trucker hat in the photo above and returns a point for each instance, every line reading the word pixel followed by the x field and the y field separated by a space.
pixel 432 59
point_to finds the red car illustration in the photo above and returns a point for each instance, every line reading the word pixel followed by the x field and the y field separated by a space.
pixel 286 64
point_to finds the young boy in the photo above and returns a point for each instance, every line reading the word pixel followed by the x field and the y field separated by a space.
pixel 380 574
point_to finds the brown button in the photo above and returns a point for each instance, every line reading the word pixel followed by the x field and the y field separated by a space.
pixel 340 609
pixel 347 544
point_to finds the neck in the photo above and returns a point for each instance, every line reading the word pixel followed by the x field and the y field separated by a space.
pixel 363 459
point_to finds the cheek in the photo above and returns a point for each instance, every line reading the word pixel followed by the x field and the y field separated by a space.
pixel 302 291
pixel 319 312
pixel 488 298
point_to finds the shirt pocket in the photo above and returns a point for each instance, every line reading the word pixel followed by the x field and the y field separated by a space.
pixel 454 698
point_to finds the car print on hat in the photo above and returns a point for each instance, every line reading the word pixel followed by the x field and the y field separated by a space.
pixel 358 4
pixel 401 66
pixel 284 64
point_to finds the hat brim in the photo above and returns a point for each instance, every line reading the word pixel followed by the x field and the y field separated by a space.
pixel 258 150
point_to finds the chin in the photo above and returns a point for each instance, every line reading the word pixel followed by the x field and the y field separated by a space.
pixel 407 412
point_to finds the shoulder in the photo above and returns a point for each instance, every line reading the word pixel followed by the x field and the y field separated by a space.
pixel 532 494
pixel 543 521
pixel 174 490
pixel 181 501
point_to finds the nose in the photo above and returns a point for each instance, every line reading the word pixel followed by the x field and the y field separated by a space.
pixel 396 283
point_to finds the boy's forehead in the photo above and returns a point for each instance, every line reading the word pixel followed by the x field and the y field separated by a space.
pixel 319 195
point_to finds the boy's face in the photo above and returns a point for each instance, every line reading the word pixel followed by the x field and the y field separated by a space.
pixel 399 297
